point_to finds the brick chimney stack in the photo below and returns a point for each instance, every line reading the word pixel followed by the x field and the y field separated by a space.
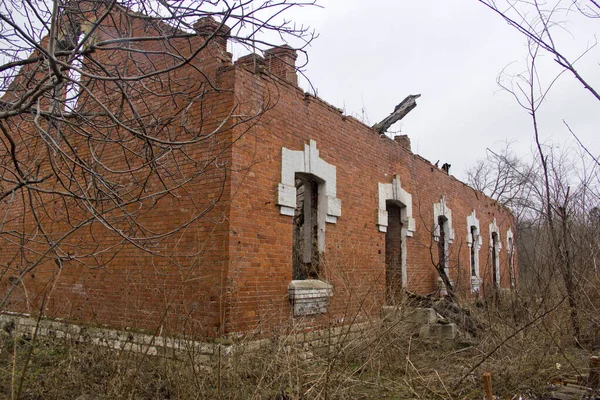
pixel 252 62
pixel 207 26
pixel 403 140
pixel 281 62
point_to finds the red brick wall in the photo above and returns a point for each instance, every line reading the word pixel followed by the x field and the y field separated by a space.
pixel 228 270
pixel 171 281
pixel 261 238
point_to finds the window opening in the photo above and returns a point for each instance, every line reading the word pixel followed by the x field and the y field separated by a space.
pixel 393 198
pixel 511 268
pixel 495 258
pixel 444 235
pixel 395 248
pixel 443 244
pixel 305 245
pixel 307 194
pixel 474 245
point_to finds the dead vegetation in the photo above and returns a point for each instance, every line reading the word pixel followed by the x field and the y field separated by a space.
pixel 524 342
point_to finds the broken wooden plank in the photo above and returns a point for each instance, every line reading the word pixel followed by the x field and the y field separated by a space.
pixel 573 392
pixel 400 112
pixel 562 396
pixel 576 380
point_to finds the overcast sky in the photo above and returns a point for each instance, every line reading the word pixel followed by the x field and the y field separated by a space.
pixel 371 54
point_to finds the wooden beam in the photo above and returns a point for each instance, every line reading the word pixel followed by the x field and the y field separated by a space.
pixel 400 112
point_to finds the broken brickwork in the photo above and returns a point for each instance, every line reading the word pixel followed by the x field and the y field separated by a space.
pixel 243 264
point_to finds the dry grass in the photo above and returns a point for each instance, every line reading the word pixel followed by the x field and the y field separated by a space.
pixel 518 346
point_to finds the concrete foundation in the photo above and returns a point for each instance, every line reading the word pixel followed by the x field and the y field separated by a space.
pixel 438 332
pixel 421 316
pixel 412 316
pixel 424 321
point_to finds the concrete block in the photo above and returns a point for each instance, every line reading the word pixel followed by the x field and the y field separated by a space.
pixel 334 206
pixel 286 196
pixel 411 316
pixel 438 332
pixel 309 296
pixel 391 313
pixel 421 316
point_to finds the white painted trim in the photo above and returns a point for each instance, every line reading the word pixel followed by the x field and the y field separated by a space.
pixel 442 209
pixel 308 161
pixel 394 192
pixel 472 221
pixel 509 235
pixel 511 254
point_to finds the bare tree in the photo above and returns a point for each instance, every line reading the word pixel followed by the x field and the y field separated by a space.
pixel 113 113
pixel 564 194
pixel 506 178
pixel 551 193
pixel 540 22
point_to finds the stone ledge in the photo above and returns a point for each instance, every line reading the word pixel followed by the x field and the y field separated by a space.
pixel 204 352
pixel 309 297
pixel 112 338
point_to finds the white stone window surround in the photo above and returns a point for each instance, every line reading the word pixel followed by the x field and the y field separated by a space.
pixel 510 245
pixel 308 161
pixel 309 296
pixel 441 209
pixel 395 193
pixel 494 229
pixel 472 221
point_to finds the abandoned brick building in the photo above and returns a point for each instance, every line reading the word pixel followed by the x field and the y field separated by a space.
pixel 291 211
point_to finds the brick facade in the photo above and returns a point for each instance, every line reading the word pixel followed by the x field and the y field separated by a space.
pixel 229 270
pixel 355 249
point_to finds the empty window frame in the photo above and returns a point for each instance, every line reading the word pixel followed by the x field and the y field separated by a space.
pixel 443 245
pixel 474 243
pixel 306 233
pixel 395 251
pixel 395 214
pixel 474 252
pixel 443 234
pixel 495 246
pixel 495 254
pixel 511 258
